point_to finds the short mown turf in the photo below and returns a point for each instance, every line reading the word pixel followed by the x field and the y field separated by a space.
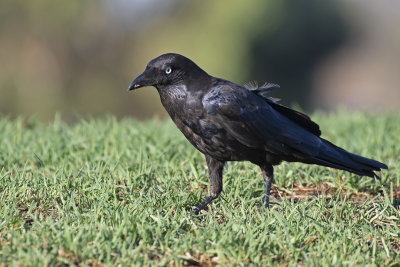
pixel 108 192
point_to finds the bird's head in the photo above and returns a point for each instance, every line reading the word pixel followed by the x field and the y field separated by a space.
pixel 165 70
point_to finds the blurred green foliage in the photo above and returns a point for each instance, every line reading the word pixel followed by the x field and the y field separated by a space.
pixel 79 56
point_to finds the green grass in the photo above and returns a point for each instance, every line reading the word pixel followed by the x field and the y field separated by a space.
pixel 108 192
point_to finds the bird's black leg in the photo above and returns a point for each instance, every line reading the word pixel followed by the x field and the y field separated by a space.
pixel 268 174
pixel 215 168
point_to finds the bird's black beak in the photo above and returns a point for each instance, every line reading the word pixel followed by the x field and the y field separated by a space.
pixel 136 83
pixel 140 81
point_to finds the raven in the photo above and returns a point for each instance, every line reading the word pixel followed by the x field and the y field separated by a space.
pixel 228 122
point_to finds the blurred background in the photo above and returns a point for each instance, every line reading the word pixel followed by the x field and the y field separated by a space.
pixel 78 57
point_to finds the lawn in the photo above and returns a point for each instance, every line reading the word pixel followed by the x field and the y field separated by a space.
pixel 105 192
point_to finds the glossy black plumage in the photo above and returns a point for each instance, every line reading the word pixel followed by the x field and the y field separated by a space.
pixel 228 122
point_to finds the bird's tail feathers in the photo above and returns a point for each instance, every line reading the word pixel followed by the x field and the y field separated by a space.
pixel 333 156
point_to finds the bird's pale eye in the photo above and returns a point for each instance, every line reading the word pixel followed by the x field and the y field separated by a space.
pixel 168 70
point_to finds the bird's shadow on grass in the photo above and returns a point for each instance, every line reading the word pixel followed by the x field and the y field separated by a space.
pixel 324 190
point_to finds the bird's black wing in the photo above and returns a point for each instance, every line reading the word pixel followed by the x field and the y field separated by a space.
pixel 254 122
pixel 300 118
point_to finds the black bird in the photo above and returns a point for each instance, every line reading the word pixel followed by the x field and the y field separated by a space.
pixel 228 122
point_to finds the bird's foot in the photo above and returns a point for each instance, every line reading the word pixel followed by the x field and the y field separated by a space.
pixel 202 204
pixel 196 211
